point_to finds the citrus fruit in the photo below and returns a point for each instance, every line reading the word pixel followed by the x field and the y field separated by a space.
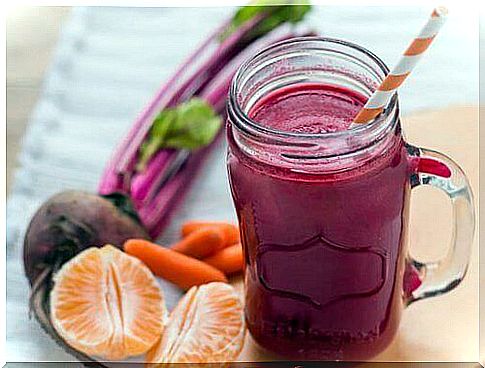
pixel 107 303
pixel 206 326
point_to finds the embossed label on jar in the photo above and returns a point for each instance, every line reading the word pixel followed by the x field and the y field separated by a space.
pixel 343 272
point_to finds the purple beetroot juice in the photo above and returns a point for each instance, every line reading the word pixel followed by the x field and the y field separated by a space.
pixel 323 249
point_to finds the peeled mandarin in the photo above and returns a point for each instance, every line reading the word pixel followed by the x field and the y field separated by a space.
pixel 107 303
pixel 206 326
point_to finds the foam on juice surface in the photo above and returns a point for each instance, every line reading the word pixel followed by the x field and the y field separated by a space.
pixel 308 108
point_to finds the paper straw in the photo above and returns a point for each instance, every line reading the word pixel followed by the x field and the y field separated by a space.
pixel 381 96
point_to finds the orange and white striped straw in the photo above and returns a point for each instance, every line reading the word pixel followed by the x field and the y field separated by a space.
pixel 381 96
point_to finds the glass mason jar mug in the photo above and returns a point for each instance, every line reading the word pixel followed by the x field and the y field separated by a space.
pixel 324 216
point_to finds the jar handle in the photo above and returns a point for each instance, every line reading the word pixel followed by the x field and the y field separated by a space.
pixel 439 171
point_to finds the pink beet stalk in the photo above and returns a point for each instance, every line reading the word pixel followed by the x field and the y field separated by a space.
pixel 177 89
pixel 112 180
pixel 156 214
pixel 145 183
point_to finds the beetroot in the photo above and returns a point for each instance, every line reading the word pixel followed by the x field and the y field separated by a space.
pixel 72 221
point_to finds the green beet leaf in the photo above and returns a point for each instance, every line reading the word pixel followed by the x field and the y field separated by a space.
pixel 190 125
pixel 277 12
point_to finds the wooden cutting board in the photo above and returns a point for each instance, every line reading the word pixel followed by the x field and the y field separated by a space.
pixel 444 328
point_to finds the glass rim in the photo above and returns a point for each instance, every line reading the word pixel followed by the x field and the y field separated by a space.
pixel 243 119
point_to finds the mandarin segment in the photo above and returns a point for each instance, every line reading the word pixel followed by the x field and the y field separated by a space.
pixel 107 303
pixel 206 326
pixel 172 332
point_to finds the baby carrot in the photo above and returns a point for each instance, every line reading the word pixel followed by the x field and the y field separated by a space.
pixel 175 267
pixel 201 243
pixel 231 231
pixel 228 260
